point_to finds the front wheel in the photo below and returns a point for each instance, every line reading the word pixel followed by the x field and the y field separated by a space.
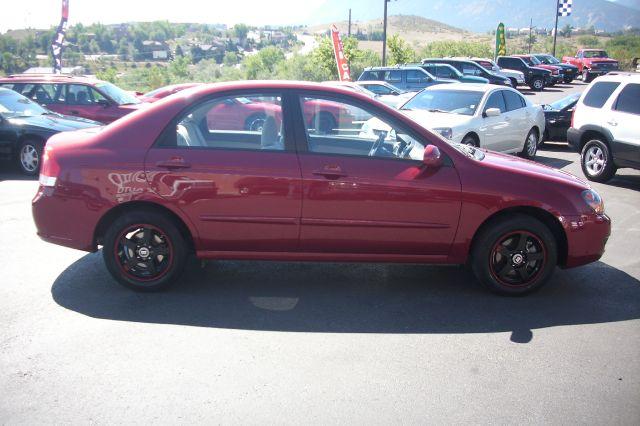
pixel 514 82
pixel 471 141
pixel 597 164
pixel 537 84
pixel 29 157
pixel 144 251
pixel 514 256
pixel 568 80
pixel 586 76
pixel 530 145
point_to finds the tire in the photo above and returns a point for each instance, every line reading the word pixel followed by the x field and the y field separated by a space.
pixel 254 122
pixel 29 156
pixel 568 80
pixel 514 255
pixel 586 77
pixel 537 84
pixel 595 159
pixel 514 82
pixel 134 267
pixel 324 123
pixel 530 147
pixel 471 140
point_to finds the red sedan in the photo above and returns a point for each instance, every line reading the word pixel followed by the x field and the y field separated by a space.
pixel 170 180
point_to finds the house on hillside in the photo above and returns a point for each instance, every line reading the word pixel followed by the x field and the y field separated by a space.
pixel 154 51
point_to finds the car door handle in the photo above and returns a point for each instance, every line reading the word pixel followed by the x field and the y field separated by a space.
pixel 330 173
pixel 507 118
pixel 173 164
pixel 613 122
pixel 75 112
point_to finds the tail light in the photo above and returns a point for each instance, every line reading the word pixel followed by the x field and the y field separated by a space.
pixel 50 168
pixel 573 114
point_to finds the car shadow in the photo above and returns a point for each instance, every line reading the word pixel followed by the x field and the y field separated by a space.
pixel 350 298
pixel 625 181
pixel 557 163
pixel 9 171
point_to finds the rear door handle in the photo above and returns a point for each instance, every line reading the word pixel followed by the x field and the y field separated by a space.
pixel 173 164
pixel 75 112
pixel 613 122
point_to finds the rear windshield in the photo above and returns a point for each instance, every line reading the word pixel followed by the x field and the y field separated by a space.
pixel 599 93
pixel 595 54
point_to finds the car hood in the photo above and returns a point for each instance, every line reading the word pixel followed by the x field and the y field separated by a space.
pixel 53 122
pixel 510 72
pixel 430 120
pixel 513 164
pixel 607 60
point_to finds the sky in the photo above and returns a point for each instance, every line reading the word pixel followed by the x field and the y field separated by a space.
pixel 46 13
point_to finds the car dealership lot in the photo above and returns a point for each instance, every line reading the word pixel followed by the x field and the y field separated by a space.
pixel 308 342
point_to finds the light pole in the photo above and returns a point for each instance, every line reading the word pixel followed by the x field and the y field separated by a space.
pixel 384 35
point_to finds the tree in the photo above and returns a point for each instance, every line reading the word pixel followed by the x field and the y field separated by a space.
pixel 262 65
pixel 567 30
pixel 230 58
pixel 399 51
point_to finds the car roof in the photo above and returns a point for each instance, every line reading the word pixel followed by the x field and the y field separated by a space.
pixel 49 78
pixel 620 76
pixel 395 68
pixel 446 59
pixel 469 87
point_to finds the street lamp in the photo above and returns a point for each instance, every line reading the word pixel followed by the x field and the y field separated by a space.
pixel 384 35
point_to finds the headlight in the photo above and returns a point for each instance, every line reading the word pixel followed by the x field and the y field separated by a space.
pixel 593 200
pixel 446 132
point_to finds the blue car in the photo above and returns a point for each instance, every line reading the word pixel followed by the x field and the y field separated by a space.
pixel 411 79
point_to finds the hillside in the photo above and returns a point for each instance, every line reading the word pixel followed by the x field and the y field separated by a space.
pixel 416 30
pixel 484 15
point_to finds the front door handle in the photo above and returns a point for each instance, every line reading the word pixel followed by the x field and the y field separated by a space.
pixel 173 164
pixel 75 112
pixel 613 122
pixel 330 172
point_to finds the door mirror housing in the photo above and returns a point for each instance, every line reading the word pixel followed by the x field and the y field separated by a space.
pixel 492 112
pixel 432 158
pixel 104 103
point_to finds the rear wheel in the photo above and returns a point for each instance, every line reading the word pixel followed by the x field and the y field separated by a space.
pixel 530 145
pixel 144 251
pixel 514 256
pixel 514 82
pixel 537 84
pixel 586 76
pixel 595 159
pixel 568 80
pixel 30 156
pixel 255 122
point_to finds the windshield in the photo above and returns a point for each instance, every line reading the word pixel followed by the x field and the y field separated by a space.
pixel 548 59
pixel 595 54
pixel 564 102
pixel 153 93
pixel 13 104
pixel 118 95
pixel 448 101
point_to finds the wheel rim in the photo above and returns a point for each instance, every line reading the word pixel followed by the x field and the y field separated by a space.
pixel 595 160
pixel 143 252
pixel 29 158
pixel 538 84
pixel 532 144
pixel 256 124
pixel 469 141
pixel 517 259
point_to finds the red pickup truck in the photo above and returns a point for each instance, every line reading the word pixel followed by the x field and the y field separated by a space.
pixel 591 63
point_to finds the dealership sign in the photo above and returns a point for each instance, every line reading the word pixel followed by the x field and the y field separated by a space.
pixel 341 60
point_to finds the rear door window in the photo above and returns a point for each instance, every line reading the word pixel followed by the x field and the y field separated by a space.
pixel 629 99
pixel 600 93
pixel 394 76
pixel 415 76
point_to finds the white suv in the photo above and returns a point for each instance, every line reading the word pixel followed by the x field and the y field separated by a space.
pixel 602 128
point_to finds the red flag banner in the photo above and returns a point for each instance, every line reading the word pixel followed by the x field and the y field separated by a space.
pixel 341 60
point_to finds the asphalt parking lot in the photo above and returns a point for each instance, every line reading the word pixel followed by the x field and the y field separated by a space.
pixel 258 342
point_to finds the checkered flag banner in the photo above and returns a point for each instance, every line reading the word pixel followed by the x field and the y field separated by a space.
pixel 564 7
pixel 58 41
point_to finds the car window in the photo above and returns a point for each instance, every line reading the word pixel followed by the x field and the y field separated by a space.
pixel 7 86
pixel 378 89
pixel 599 93
pixel 416 76
pixel 45 94
pixel 393 76
pixel 79 94
pixel 469 69
pixel 232 122
pixel 513 100
pixel 340 128
pixel 445 101
pixel 629 99
pixel 496 100
pixel 445 72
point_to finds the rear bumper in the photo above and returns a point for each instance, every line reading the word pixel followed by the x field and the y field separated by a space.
pixel 587 236
pixel 65 221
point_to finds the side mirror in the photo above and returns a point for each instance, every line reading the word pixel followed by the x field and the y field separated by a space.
pixel 492 112
pixel 432 157
pixel 103 102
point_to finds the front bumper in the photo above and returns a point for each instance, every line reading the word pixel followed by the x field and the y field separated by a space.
pixel 587 237
pixel 574 136
pixel 559 78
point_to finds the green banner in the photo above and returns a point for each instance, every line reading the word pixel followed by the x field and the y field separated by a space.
pixel 501 42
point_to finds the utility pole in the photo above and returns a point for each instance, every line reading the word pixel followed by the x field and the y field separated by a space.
pixel 555 31
pixel 349 30
pixel 384 35
pixel 530 27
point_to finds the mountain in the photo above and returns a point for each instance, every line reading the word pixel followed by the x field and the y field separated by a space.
pixel 634 4
pixel 484 15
